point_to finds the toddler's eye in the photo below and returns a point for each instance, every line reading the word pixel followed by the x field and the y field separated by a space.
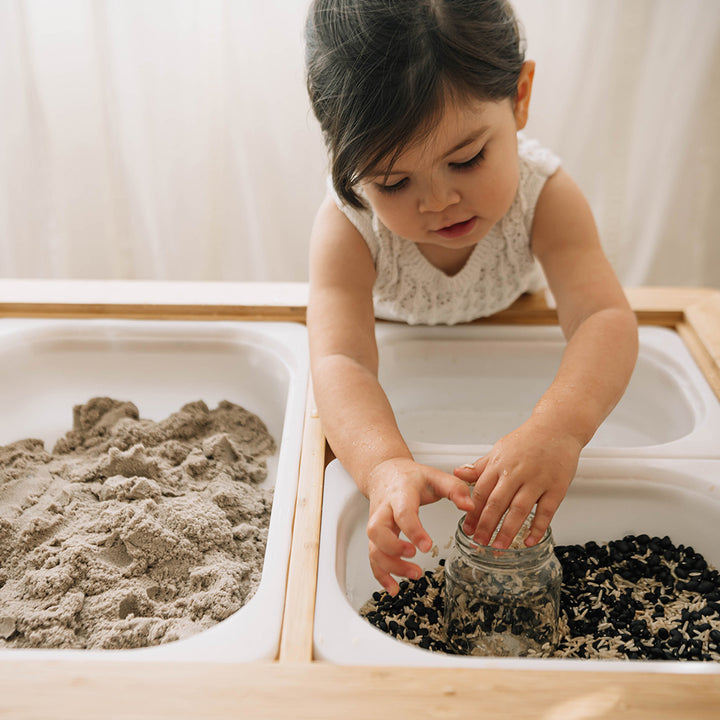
pixel 389 189
pixel 471 163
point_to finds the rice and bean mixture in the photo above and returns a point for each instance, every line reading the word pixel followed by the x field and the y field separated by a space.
pixel 638 598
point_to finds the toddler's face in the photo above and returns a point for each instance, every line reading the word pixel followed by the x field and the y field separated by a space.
pixel 450 189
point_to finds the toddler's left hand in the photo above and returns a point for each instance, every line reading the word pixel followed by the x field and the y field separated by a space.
pixel 532 464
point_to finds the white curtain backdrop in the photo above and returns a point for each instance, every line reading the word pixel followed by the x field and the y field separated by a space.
pixel 172 139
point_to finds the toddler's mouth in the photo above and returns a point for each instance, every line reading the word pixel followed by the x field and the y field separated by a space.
pixel 458 229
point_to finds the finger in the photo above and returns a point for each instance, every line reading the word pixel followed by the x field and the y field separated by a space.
pixel 454 489
pixel 471 471
pixel 520 507
pixel 544 512
pixel 383 531
pixel 386 580
pixel 495 507
pixel 408 521
pixel 389 543
pixel 483 488
pixel 384 567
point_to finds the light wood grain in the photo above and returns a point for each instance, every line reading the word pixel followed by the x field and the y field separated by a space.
pixel 79 691
pixel 704 316
pixel 297 633
pixel 665 299
pixel 131 311
pixel 705 362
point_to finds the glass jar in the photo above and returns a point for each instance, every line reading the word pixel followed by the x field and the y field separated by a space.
pixel 502 602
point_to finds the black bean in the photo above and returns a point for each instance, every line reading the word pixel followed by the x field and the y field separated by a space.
pixel 624 547
pixel 587 570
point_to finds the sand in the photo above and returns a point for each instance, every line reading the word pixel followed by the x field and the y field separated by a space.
pixel 132 533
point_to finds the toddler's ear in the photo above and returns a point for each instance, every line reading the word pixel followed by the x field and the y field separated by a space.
pixel 524 91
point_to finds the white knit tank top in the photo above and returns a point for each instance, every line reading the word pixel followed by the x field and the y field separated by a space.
pixel 501 267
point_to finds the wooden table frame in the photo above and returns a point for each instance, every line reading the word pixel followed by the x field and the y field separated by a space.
pixel 295 685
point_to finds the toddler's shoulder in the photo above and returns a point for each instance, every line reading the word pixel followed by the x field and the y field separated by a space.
pixel 537 164
pixel 536 159
pixel 363 219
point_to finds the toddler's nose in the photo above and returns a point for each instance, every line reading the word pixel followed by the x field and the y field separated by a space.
pixel 438 196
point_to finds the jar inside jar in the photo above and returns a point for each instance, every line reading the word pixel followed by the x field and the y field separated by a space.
pixel 502 602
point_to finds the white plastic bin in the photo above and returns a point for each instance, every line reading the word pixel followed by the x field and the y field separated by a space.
pixel 48 366
pixel 462 388
pixel 607 500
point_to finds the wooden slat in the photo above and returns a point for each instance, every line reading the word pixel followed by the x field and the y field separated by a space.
pixel 296 639
pixel 131 311
pixel 179 691
pixel 709 367
pixel 701 333
pixel 704 316
pixel 652 306
pixel 665 299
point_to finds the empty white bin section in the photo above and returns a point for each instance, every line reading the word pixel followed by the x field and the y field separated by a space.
pixel 462 388
pixel 48 366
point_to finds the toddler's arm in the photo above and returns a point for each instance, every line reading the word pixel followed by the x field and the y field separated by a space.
pixel 356 415
pixel 536 462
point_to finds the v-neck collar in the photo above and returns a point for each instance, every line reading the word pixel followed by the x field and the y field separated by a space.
pixel 478 251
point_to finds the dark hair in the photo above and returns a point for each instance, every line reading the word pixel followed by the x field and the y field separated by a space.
pixel 379 72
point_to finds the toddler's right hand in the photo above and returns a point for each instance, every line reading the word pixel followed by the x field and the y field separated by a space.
pixel 396 490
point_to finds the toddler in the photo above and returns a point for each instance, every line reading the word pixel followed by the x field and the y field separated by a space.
pixel 439 210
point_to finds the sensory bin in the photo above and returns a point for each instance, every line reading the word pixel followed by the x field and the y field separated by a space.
pixel 171 372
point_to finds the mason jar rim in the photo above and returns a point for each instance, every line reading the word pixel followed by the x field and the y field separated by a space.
pixel 490 553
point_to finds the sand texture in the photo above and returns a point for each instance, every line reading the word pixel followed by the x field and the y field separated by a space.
pixel 131 532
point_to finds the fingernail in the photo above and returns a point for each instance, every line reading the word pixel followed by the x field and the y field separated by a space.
pixel 424 545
